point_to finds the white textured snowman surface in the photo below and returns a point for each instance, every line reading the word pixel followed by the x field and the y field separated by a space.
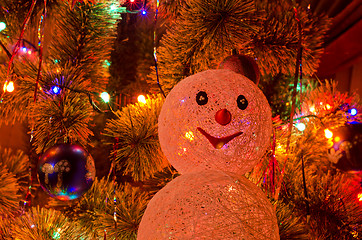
pixel 209 205
pixel 214 126
pixel 216 119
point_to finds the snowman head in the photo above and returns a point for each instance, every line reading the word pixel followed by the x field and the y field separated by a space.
pixel 216 119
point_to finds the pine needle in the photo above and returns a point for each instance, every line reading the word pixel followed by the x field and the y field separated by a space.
pixel 135 135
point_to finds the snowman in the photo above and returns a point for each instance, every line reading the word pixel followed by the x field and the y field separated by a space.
pixel 213 128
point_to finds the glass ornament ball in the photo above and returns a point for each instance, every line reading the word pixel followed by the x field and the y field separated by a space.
pixel 216 120
pixel 66 171
pixel 209 205
pixel 242 64
pixel 346 152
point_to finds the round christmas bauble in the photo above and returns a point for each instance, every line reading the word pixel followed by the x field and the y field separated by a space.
pixel 66 171
pixel 346 152
pixel 242 64
pixel 209 205
pixel 216 119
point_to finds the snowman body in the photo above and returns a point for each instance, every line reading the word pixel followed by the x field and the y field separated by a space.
pixel 214 127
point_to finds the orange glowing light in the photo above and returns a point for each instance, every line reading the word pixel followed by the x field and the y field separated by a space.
pixel 190 135
pixel 328 133
pixel 141 99
pixel 312 109
pixel 359 197
pixel 9 86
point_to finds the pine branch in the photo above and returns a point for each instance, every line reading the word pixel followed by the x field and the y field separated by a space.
pixel 204 33
pixel 290 226
pixel 61 117
pixel 44 224
pixel 9 196
pixel 94 212
pixel 134 133
pixel 332 195
pixel 84 37
pixel 275 45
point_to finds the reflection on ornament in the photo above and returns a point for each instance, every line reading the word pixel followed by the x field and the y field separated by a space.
pixel 346 150
pixel 47 169
pixel 66 171
pixel 61 167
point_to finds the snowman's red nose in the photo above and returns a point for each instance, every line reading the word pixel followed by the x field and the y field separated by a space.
pixel 223 117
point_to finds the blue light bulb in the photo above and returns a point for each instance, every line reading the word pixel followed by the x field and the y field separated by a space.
pixel 144 12
pixel 353 112
pixel 55 89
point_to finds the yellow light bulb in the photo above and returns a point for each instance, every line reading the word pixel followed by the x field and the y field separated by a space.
pixel 359 196
pixel 189 135
pixel 141 99
pixel 105 97
pixel 9 86
pixel 328 133
pixel 312 109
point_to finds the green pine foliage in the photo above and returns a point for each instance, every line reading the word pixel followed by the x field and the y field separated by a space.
pixel 291 227
pixel 134 134
pixel 94 212
pixel 276 44
pixel 84 37
pixel 202 35
pixel 14 177
pixel 205 32
pixel 44 224
pixel 332 195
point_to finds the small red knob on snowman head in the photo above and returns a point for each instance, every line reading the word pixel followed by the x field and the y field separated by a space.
pixel 223 117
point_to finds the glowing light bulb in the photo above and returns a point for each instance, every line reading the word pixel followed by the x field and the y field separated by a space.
pixel 55 89
pixel 353 111
pixel 312 109
pixel 328 106
pixel 300 126
pixel 131 1
pixel 114 7
pixel 2 26
pixel 141 99
pixel 144 12
pixel 189 135
pixel 328 133
pixel 105 97
pixel 9 86
pixel 24 49
pixel 337 139
pixel 29 52
pixel 359 197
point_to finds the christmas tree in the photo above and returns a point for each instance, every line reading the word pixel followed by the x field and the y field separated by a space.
pixel 59 56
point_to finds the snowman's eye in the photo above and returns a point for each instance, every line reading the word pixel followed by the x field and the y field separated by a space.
pixel 201 98
pixel 242 102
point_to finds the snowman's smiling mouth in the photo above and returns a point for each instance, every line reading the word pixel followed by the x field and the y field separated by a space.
pixel 218 142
